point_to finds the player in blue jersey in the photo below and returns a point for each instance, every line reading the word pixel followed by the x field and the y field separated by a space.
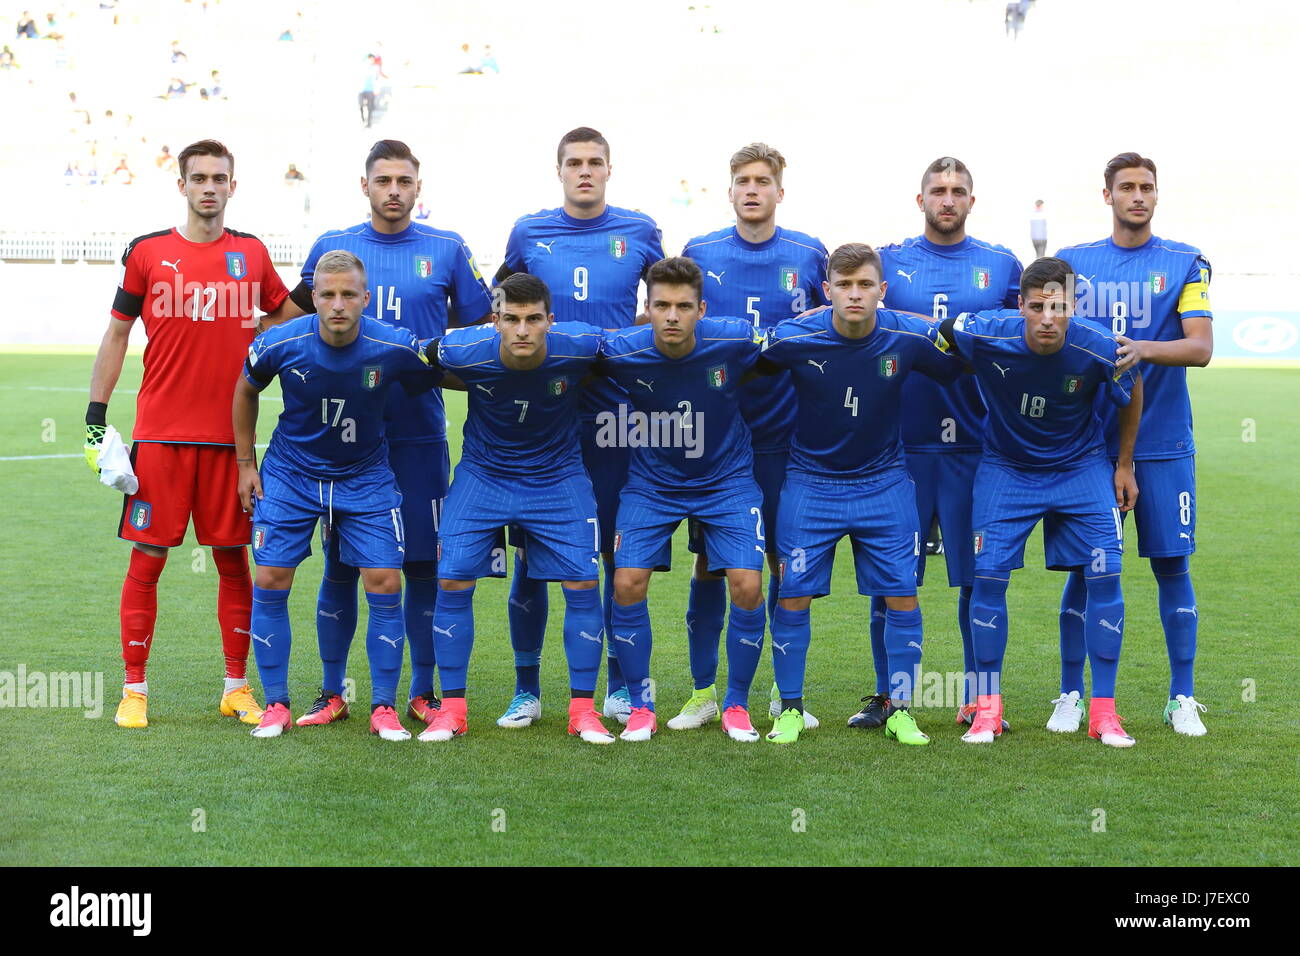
pixel 766 273
pixel 521 465
pixel 424 279
pixel 846 475
pixel 690 457
pixel 1154 294
pixel 1045 458
pixel 327 461
pixel 592 256
pixel 943 271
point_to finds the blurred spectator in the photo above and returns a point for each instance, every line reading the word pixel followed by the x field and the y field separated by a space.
pixel 175 89
pixel 178 55
pixel 27 27
pixel 366 98
pixel 471 65
pixel 122 174
pixel 683 197
pixel 80 117
pixel 286 36
pixel 7 60
pixel 489 62
pixel 1038 229
pixel 293 174
pixel 216 87
pixel 166 161
pixel 52 28
pixel 421 211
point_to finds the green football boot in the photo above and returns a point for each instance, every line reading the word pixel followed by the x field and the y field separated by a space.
pixel 901 726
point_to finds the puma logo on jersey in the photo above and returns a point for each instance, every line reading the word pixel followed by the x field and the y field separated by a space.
pixel 321 612
pixel 1076 612
pixel 301 375
pixel 1187 610
pixel 388 640
pixel 264 640
pixel 484 388
pixel 914 644
pixel 144 643
pixel 906 275
pixel 594 638
pixel 990 623
pixel 1001 369
pixel 238 630
pixel 758 643
pixel 445 631
pixel 546 245
pixel 716 275
pixel 1117 627
pixel 649 386
pixel 820 366
pixel 174 266
pixel 1184 534
pixel 781 647
pixel 626 639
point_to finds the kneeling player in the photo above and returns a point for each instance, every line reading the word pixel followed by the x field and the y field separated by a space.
pixel 328 459
pixel 521 465
pixel 1045 457
pixel 691 457
pixel 847 477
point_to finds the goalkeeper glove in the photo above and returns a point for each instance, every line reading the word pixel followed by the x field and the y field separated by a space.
pixel 95 428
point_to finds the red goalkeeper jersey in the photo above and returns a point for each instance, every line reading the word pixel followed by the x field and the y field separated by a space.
pixel 197 300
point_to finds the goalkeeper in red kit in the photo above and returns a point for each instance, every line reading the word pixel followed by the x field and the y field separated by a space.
pixel 196 287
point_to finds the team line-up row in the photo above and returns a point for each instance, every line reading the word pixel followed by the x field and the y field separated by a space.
pixel 817 428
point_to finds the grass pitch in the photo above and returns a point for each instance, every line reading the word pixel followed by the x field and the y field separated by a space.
pixel 194 788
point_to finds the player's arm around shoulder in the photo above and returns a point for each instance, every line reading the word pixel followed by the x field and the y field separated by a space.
pixel 259 370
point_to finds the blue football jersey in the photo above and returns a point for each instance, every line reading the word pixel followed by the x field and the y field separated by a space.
pixel 414 276
pixel 850 391
pixel 1041 407
pixel 681 417
pixel 521 425
pixel 592 267
pixel 332 426
pixel 766 282
pixel 1145 293
pixel 968 276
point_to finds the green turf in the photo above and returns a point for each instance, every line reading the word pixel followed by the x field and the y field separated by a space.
pixel 82 791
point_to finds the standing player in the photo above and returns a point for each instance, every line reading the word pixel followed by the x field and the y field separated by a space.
pixel 592 256
pixel 521 466
pixel 940 272
pixel 1045 458
pixel 691 457
pixel 1154 294
pixel 765 273
pixel 847 477
pixel 327 461
pixel 196 288
pixel 417 272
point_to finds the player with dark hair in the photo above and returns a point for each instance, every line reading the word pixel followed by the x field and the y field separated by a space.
pixel 847 477
pixel 1154 295
pixel 327 462
pixel 943 271
pixel 592 256
pixel 757 270
pixel 1045 459
pixel 521 466
pixel 197 288
pixel 424 279
pixel 690 457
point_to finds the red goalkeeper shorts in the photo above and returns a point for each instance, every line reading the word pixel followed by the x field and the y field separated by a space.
pixel 177 481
